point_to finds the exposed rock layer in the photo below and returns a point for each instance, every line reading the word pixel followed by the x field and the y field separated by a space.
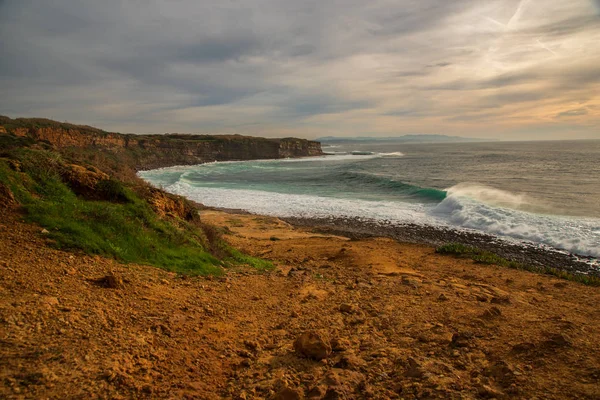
pixel 156 151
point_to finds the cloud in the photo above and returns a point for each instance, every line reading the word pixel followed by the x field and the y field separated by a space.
pixel 305 68
pixel 572 113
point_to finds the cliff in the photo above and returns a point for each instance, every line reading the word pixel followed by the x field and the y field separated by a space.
pixel 156 151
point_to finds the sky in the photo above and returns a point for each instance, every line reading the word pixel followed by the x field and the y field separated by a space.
pixel 504 69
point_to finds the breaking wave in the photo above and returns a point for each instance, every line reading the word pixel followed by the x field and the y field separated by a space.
pixel 365 180
pixel 501 213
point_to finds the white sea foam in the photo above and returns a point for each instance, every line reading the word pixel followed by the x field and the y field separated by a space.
pixel 489 195
pixel 300 205
pixel 393 154
pixel 497 212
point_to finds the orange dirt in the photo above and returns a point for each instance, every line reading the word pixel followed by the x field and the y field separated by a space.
pixel 394 321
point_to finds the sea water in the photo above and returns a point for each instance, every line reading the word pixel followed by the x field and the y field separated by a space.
pixel 546 193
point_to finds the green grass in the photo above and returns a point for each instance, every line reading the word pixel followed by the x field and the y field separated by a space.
pixel 125 228
pixel 486 257
pixel 237 257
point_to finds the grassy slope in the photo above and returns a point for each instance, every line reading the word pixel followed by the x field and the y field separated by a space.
pixel 123 226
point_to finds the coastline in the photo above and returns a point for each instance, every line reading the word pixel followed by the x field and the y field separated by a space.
pixel 528 254
pixel 520 252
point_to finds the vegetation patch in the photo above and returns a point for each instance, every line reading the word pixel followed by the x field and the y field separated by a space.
pixel 117 223
pixel 486 257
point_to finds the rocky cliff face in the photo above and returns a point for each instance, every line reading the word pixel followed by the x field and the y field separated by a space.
pixel 156 151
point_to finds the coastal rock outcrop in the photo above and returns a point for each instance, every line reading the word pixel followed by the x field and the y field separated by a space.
pixel 82 180
pixel 157 151
pixel 165 204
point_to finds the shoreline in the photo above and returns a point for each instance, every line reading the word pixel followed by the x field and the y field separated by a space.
pixel 525 253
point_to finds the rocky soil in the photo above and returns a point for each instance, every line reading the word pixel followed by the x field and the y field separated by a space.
pixel 338 318
pixel 523 252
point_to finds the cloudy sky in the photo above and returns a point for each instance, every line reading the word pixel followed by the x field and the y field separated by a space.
pixel 509 69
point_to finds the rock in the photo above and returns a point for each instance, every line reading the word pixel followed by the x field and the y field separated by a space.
pixel 45 231
pixel 166 204
pixel 340 344
pixel 557 340
pixel 461 339
pixel 110 281
pixel 245 363
pixel 347 308
pixel 500 300
pixel 252 345
pixel 351 361
pixel 492 313
pixel 482 298
pixel 489 392
pixel 49 301
pixel 342 384
pixel 520 348
pixel 412 282
pixel 414 369
pixel 83 181
pixel 335 393
pixel 287 393
pixel 317 392
pixel 244 353
pixel 313 345
pixel 502 373
pixel 7 199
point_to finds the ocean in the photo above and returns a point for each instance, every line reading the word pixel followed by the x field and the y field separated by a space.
pixel 542 193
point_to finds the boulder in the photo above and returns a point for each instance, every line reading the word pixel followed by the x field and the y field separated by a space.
pixel 82 180
pixel 313 345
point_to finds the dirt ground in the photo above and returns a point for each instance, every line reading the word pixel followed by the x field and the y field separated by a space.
pixel 336 319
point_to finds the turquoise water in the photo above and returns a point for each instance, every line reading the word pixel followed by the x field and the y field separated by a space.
pixel 542 192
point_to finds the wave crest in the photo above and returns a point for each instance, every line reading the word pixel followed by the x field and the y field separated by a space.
pixel 490 195
pixel 405 189
pixel 499 212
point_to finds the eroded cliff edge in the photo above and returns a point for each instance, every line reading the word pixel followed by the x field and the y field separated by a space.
pixel 156 151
